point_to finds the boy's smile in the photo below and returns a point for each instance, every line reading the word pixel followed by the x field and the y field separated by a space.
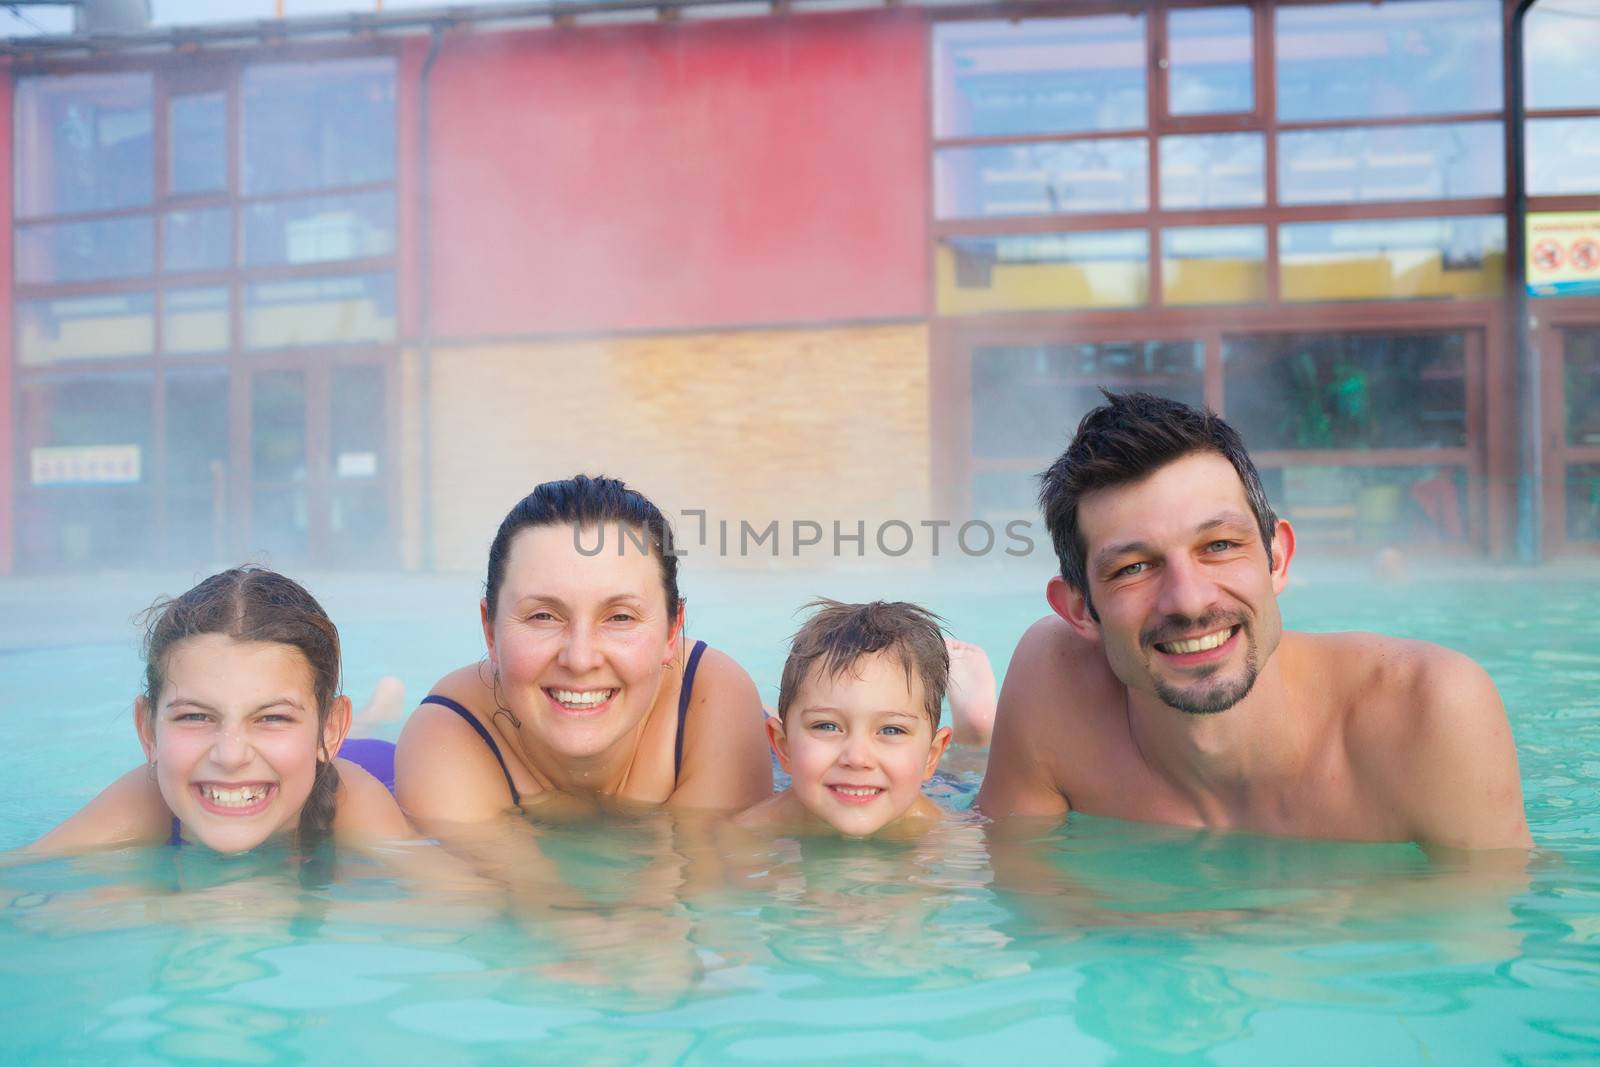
pixel 859 746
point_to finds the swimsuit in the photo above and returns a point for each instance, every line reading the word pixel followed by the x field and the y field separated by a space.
pixel 371 755
pixel 684 693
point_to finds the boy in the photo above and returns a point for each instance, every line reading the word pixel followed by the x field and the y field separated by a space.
pixel 857 727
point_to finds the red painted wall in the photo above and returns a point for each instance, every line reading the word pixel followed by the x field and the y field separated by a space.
pixel 681 175
pixel 7 491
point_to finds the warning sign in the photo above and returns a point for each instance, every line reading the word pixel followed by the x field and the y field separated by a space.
pixel 1564 253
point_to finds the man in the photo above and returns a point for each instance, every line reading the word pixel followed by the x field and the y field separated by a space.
pixel 1164 688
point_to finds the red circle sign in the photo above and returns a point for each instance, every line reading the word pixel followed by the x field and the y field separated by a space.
pixel 1547 255
pixel 1585 255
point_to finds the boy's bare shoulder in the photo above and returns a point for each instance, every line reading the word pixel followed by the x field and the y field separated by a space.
pixel 775 811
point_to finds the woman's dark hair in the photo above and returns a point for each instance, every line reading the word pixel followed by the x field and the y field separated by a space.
pixel 838 635
pixel 255 604
pixel 584 502
pixel 1130 436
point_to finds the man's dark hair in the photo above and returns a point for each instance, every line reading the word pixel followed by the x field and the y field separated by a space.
pixel 1128 438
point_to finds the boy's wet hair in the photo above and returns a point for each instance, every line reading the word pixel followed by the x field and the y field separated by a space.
pixel 1131 436
pixel 585 502
pixel 838 635
pixel 255 604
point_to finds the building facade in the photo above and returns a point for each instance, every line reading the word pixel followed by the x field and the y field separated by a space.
pixel 340 299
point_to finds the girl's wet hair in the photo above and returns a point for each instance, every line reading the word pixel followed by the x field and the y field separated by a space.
pixel 583 502
pixel 256 604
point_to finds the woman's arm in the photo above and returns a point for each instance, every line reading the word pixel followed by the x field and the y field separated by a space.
pixel 129 811
pixel 443 771
pixel 726 765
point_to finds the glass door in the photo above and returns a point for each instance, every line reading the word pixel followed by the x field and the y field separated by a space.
pixel 1027 399
pixel 319 465
pixel 1573 460
pixel 1362 438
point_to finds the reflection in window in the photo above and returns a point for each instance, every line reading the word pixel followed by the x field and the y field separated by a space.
pixel 1335 391
pixel 1056 75
pixel 1213 170
pixel 1103 268
pixel 320 311
pixel 279 520
pixel 1371 505
pixel 196 459
pixel 1583 502
pixel 358 516
pixel 1352 61
pixel 1392 259
pixel 82 143
pixel 86 458
pixel 1210 55
pixel 1027 398
pixel 1561 43
pixel 316 125
pixel 91 250
pixel 1214 265
pixel 198 149
pixel 1044 179
pixel 1582 386
pixel 197 240
pixel 85 327
pixel 278 426
pixel 194 321
pixel 319 229
pixel 1563 156
pixel 1391 163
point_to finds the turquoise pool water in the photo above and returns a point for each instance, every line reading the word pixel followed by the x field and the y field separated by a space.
pixel 656 941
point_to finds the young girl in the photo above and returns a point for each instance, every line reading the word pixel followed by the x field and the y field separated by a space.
pixel 240 721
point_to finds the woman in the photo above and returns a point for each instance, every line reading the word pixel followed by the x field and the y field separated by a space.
pixel 589 688
pixel 241 720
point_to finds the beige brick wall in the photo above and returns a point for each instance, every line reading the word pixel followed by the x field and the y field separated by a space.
pixel 819 424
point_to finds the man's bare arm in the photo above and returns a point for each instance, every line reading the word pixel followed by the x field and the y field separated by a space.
pixel 1030 712
pixel 1457 775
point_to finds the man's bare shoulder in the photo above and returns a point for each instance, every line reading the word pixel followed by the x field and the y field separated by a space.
pixel 1058 709
pixel 1425 728
pixel 1056 668
pixel 1388 684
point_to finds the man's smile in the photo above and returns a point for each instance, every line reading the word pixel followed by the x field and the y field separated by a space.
pixel 1203 643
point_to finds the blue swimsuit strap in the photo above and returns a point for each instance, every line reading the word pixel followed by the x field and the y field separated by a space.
pixel 684 692
pixel 483 732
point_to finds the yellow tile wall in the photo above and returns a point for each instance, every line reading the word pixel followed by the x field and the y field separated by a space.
pixel 817 424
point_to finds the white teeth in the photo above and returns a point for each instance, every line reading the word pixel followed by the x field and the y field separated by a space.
pixel 857 791
pixel 1198 644
pixel 234 798
pixel 588 699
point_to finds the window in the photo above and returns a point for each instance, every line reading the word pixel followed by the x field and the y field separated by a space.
pixel 1356 61
pixel 317 125
pixel 1367 164
pixel 1392 259
pixel 83 143
pixel 1098 269
pixel 1039 76
pixel 1211 67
